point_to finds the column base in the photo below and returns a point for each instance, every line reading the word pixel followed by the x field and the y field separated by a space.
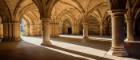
pixel 132 39
pixel 117 51
pixel 46 43
pixel 85 37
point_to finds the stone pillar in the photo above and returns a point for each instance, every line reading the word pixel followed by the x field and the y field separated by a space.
pixel 46 31
pixel 30 30
pixel 34 30
pixel 130 32
pixel 75 29
pixel 27 30
pixel 16 31
pixel 117 47
pixel 11 31
pixel 1 30
pixel 54 29
pixel 85 30
pixel 101 29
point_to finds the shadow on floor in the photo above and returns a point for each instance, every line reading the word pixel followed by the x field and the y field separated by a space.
pixel 101 45
pixel 26 51
pixel 132 48
pixel 80 53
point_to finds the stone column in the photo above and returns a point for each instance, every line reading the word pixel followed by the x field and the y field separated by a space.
pixel 35 30
pixel 130 32
pixel 1 30
pixel 46 31
pixel 30 30
pixel 85 30
pixel 16 31
pixel 27 30
pixel 75 30
pixel 101 29
pixel 54 29
pixel 11 31
pixel 117 47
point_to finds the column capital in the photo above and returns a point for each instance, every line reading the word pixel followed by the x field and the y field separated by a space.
pixel 129 19
pixel 85 23
pixel 54 23
pixel 46 18
pixel 117 12
pixel 13 22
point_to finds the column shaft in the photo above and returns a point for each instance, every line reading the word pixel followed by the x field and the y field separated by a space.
pixel 130 32
pixel 11 31
pixel 1 30
pixel 46 31
pixel 54 29
pixel 117 48
pixel 75 30
pixel 85 30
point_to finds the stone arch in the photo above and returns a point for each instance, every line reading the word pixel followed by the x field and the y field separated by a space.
pixel 24 10
pixel 69 22
pixel 5 12
pixel 4 9
pixel 30 13
pixel 137 23
pixel 33 28
pixel 67 28
pixel 65 14
pixel 26 24
pixel 93 25
pixel 45 7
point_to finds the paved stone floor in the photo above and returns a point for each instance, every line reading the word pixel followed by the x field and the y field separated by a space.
pixel 65 47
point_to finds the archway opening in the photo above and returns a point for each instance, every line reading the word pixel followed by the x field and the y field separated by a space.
pixel 25 27
pixel 22 27
pixel 67 28
pixel 93 25
pixel 30 23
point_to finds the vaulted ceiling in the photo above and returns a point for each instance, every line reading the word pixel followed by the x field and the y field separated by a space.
pixel 96 8
pixel 16 8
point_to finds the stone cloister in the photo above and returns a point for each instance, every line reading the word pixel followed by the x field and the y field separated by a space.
pixel 116 19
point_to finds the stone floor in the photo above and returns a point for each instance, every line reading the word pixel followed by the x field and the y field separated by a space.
pixel 65 47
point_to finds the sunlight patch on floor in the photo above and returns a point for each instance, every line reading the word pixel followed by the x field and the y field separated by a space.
pixel 74 47
pixel 91 37
pixel 38 41
pixel 72 36
pixel 67 53
pixel 101 38
pixel 80 48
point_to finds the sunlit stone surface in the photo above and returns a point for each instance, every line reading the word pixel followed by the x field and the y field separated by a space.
pixel 83 29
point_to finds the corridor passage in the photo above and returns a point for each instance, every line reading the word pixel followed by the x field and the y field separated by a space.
pixel 65 47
